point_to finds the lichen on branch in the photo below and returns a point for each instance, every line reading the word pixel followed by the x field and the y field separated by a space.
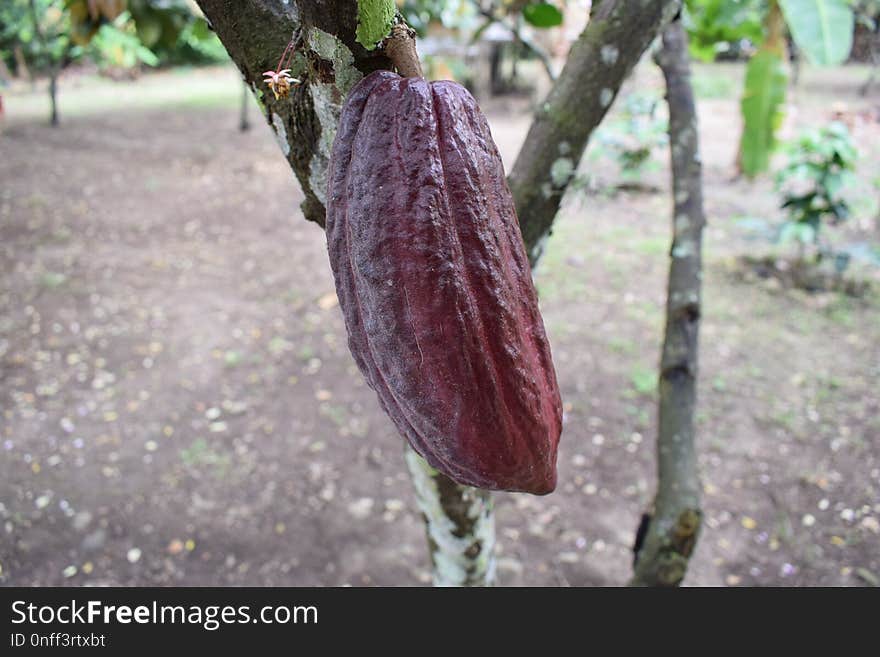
pixel 375 19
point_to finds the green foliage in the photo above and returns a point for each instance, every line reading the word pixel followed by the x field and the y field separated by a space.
pixel 819 168
pixel 116 44
pixel 542 14
pixel 87 16
pixel 822 29
pixel 465 14
pixel 720 26
pixel 375 18
pixel 633 137
pixel 45 44
pixel 149 32
pixel 16 26
pixel 203 42
pixel 762 106
pixel 196 44
pixel 159 23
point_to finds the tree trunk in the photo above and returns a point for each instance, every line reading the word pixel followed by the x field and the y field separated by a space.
pixel 54 67
pixel 667 538
pixel 618 33
pixel 53 97
pixel 459 524
pixel 244 123
pixel 496 77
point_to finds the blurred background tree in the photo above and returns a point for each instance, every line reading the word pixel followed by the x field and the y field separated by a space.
pixel 43 37
pixel 820 30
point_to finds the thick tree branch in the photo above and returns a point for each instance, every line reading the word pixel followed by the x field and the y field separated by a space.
pixel 327 59
pixel 613 41
pixel 672 530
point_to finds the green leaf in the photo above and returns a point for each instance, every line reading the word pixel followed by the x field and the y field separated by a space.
pixel 149 29
pixel 542 14
pixel 375 18
pixel 200 30
pixel 762 110
pixel 716 26
pixel 822 29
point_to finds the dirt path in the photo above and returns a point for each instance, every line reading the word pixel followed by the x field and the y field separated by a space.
pixel 179 405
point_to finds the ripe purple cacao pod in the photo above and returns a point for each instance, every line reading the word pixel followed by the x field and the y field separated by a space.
pixel 435 286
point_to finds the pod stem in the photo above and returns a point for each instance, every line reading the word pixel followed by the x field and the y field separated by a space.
pixel 400 46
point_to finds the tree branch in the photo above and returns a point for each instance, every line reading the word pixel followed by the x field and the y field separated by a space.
pixel 599 61
pixel 671 532
pixel 534 48
pixel 327 59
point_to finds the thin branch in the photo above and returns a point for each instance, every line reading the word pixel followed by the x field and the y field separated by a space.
pixel 666 539
pixel 598 63
pixel 534 48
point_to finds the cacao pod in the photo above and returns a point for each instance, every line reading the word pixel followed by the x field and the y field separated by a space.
pixel 435 286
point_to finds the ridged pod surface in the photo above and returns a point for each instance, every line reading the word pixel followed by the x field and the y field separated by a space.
pixel 435 286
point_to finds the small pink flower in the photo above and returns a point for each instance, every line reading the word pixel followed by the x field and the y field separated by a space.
pixel 280 82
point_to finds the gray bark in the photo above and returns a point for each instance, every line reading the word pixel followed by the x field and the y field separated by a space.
pixel 53 97
pixel 672 529
pixel 612 43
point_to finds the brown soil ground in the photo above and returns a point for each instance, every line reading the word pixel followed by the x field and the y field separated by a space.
pixel 179 406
